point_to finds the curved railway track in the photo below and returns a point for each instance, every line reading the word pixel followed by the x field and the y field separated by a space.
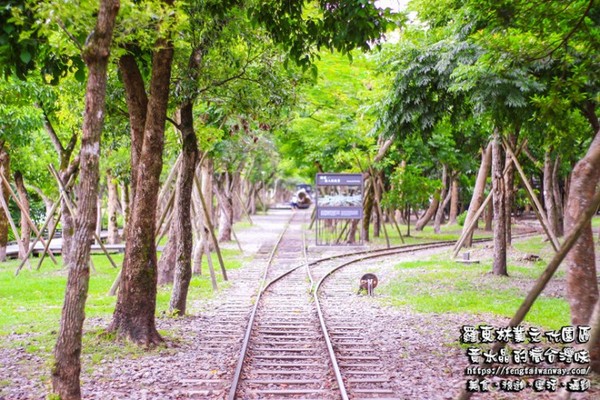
pixel 295 344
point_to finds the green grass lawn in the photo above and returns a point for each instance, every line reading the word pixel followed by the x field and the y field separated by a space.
pixel 445 286
pixel 31 302
pixel 447 232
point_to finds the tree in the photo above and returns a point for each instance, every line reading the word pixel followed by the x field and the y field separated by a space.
pixel 133 317
pixel 67 366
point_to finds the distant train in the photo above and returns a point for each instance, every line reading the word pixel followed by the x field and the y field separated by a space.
pixel 302 198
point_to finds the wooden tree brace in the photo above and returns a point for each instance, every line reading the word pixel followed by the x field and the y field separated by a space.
pixel 471 225
pixel 14 228
pixel 25 214
pixel 210 227
pixel 73 211
pixel 539 210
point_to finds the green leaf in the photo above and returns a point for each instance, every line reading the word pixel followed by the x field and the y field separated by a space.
pixel 25 56
pixel 80 75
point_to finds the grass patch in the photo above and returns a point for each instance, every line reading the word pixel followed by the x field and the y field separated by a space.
pixel 31 303
pixel 447 232
pixel 442 286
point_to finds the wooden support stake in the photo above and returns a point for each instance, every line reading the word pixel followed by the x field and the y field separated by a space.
pixel 169 179
pixel 211 268
pixel 164 213
pixel 244 208
pixel 536 203
pixel 115 286
pixel 471 225
pixel 32 247
pixel 73 211
pixel 583 220
pixel 210 228
pixel 25 214
pixel 14 229
pixel 339 238
pixel 50 237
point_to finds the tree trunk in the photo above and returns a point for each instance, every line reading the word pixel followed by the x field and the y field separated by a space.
pixel 367 208
pixel 499 264
pixel 66 222
pixel 125 207
pixel 453 201
pixel 99 216
pixel 582 281
pixel 424 220
pixel 166 264
pixel 489 217
pixel 202 233
pixel 445 196
pixel 558 201
pixel 5 170
pixel 136 303
pixel 226 207
pixel 113 205
pixel 24 200
pixel 509 192
pixel 479 190
pixel 183 217
pixel 67 366
pixel 549 203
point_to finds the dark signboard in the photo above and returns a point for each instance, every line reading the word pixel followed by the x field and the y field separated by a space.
pixel 339 196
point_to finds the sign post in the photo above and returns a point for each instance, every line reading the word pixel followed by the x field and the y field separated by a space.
pixel 339 203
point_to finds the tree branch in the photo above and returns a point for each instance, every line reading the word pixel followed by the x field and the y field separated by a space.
pixel 566 38
pixel 70 35
pixel 52 133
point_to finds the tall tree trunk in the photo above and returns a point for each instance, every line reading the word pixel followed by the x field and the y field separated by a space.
pixel 509 192
pixel 136 303
pixel 113 205
pixel 204 241
pixel 67 364
pixel 549 204
pixel 24 200
pixel 99 216
pixel 479 190
pixel 367 208
pixel 582 280
pixel 183 198
pixel 226 207
pixel 489 217
pixel 445 196
pixel 166 263
pixel 558 201
pixel 125 207
pixel 453 200
pixel 499 264
pixel 424 220
pixel 5 170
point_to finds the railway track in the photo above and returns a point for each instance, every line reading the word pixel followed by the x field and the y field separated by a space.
pixel 297 344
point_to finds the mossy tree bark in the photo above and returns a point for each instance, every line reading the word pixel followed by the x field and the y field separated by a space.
pixel 136 303
pixel 67 364
pixel 182 230
pixel 498 199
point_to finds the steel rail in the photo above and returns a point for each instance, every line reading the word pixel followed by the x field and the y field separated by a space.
pixel 244 349
pixel 367 254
